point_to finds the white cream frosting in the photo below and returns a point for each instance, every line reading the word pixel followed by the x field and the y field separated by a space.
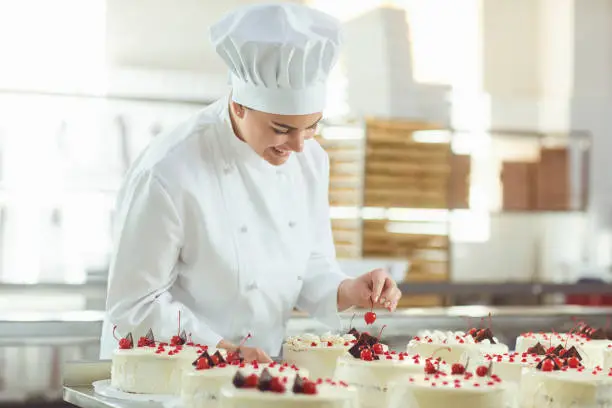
pixel 329 395
pixel 567 388
pixel 509 366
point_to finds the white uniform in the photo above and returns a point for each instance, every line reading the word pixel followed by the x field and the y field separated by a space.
pixel 205 226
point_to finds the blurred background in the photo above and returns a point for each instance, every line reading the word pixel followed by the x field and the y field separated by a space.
pixel 470 145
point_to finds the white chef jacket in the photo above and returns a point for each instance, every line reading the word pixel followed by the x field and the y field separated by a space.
pixel 204 225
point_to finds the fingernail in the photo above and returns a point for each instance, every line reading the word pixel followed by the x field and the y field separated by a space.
pixel 382 300
pixel 387 304
pixel 376 299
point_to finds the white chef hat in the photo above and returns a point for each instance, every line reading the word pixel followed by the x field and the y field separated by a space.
pixel 279 56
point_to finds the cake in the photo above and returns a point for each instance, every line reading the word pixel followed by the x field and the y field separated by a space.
pixel 374 370
pixel 453 347
pixel 268 391
pixel 133 364
pixel 509 366
pixel 317 354
pixel 559 383
pixel 460 388
pixel 202 383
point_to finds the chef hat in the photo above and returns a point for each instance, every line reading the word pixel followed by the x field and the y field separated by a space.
pixel 279 56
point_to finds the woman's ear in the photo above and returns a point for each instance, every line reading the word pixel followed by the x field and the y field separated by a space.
pixel 238 109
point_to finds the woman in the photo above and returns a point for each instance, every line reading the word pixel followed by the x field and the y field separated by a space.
pixel 225 219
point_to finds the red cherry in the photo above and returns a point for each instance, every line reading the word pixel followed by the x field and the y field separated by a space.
pixel 251 381
pixel 430 368
pixel 202 364
pixel 276 385
pixel 309 388
pixel 472 332
pixel 175 341
pixel 547 365
pixel 378 348
pixel 366 355
pixel 482 371
pixel 550 350
pixel 124 344
pixel 573 362
pixel 457 368
pixel 369 317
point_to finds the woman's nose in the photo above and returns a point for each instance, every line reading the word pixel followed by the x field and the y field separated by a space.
pixel 296 142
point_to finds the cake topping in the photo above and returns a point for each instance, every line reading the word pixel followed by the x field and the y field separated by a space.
pixel 537 349
pixel 148 340
pixel 377 347
pixel 265 381
pixel 370 317
pixel 234 357
pixel 240 381
pixel 304 386
pixel 126 342
pixel 549 363
pixel 363 348
pixel 484 371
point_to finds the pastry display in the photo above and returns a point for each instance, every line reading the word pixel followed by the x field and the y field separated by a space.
pixel 270 391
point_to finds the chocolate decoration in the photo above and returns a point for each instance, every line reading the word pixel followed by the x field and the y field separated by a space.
pixel 573 352
pixel 598 334
pixel 557 350
pixel 367 339
pixel 205 355
pixel 239 380
pixel 354 332
pixel 298 384
pixel 218 358
pixel 537 349
pixel 355 351
pixel 130 339
pixel 265 380
pixel 484 334
pixel 150 338
pixel 183 337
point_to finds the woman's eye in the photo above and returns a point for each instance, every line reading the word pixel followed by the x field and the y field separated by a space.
pixel 279 131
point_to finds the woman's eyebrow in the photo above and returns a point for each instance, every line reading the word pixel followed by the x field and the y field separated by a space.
pixel 289 127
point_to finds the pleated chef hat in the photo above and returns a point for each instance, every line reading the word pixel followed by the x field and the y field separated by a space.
pixel 279 56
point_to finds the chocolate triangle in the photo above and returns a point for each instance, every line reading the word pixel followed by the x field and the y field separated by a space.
pixel 557 350
pixel 598 334
pixel 217 358
pixel 130 339
pixel 298 384
pixel 265 380
pixel 354 332
pixel 207 357
pixel 355 350
pixel 150 338
pixel 183 337
pixel 365 338
pixel 485 334
pixel 537 349
pixel 239 380
pixel 573 352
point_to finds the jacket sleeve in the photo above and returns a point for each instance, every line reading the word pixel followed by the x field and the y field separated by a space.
pixel 148 241
pixel 319 294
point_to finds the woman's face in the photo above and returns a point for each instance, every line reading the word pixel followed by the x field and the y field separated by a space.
pixel 273 137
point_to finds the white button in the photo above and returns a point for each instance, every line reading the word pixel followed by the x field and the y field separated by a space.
pixel 252 285
pixel 299 278
pixel 291 224
pixel 227 169
pixel 243 229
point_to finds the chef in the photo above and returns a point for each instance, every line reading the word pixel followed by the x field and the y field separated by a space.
pixel 226 218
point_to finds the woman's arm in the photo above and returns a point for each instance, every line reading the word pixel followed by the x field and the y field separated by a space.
pixel 148 240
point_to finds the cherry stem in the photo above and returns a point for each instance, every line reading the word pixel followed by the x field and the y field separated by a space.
pixel 189 337
pixel 467 362
pixel 179 323
pixel 380 333
pixel 351 322
pixel 248 336
pixel 371 304
pixel 481 322
pixel 490 321
pixel 114 335
pixel 436 350
pixel 607 324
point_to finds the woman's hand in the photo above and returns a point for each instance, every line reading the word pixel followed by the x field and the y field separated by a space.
pixel 254 354
pixel 373 288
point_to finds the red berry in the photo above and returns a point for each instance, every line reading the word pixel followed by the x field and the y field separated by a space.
pixel 370 317
pixel 573 362
pixel 550 350
pixel 251 381
pixel 547 365
pixel 430 368
pixel 472 331
pixel 124 344
pixel 482 371
pixel 310 388
pixel 202 364
pixel 366 355
pixel 378 348
pixel 175 341
pixel 276 385
pixel 457 368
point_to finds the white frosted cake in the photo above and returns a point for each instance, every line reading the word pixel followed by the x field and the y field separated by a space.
pixel 375 378
pixel 268 391
pixel 317 354
pixel 202 383
pixel 473 390
pixel 509 366
pixel 454 347
pixel 151 367
pixel 526 341
pixel 565 387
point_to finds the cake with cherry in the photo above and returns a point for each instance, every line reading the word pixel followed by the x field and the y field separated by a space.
pixel 374 370
pixel 317 354
pixel 269 391
pixel 202 384
pixel 457 345
pixel 461 387
pixel 152 367
pixel 563 383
